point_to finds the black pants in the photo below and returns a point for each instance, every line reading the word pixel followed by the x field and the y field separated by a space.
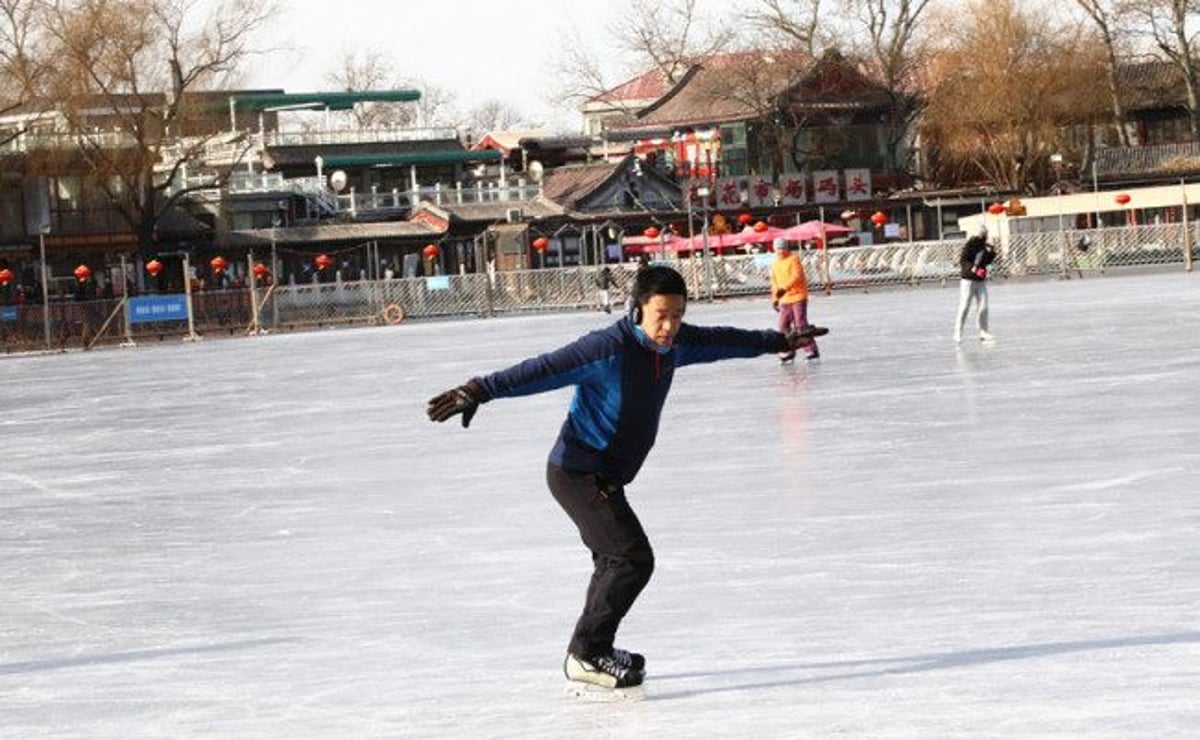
pixel 622 560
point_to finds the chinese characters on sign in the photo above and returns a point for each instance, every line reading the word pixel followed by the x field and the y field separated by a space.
pixel 729 192
pixel 762 192
pixel 858 184
pixel 825 186
pixel 791 189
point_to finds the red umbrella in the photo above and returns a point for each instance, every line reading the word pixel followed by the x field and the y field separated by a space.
pixel 813 229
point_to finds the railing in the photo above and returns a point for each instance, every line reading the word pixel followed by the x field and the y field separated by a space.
pixel 365 136
pixel 1066 254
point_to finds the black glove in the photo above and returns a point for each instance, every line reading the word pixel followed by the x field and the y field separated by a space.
pixel 796 338
pixel 780 293
pixel 464 400
pixel 775 305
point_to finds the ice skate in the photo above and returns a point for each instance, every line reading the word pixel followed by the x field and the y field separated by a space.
pixel 812 330
pixel 601 673
pixel 985 336
pixel 958 337
pixel 636 661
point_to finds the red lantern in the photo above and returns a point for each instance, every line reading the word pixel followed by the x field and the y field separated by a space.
pixel 323 261
pixel 154 267
pixel 260 271
pixel 6 276
pixel 878 218
pixel 218 263
pixel 651 232
pixel 745 218
pixel 760 226
pixel 82 273
pixel 1122 198
pixel 996 209
pixel 541 243
pixel 431 251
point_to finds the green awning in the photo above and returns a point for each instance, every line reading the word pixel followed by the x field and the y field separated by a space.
pixel 400 159
pixel 320 100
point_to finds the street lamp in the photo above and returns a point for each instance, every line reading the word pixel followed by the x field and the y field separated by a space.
pixel 45 282
pixel 702 194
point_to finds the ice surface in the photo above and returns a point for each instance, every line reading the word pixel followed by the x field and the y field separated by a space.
pixel 265 537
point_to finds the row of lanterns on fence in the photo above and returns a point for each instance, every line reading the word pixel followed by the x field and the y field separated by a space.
pixel 431 251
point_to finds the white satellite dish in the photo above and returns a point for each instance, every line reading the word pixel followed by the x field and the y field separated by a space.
pixel 337 180
pixel 536 170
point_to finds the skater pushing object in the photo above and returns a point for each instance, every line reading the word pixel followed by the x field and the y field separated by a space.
pixel 973 261
pixel 789 297
pixel 621 375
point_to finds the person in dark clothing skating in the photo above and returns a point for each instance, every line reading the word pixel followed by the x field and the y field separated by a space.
pixel 621 376
pixel 973 262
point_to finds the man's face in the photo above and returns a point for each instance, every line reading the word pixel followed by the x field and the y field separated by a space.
pixel 662 316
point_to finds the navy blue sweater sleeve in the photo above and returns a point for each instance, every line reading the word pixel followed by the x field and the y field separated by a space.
pixel 697 344
pixel 569 365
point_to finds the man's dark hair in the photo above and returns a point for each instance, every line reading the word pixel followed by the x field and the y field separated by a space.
pixel 657 280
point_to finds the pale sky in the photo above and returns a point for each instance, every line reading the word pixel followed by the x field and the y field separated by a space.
pixel 477 50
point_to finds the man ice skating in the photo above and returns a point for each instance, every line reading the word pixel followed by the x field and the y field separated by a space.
pixel 621 376
pixel 789 296
pixel 973 263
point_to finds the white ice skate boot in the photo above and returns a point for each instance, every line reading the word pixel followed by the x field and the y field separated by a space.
pixel 986 336
pixel 605 671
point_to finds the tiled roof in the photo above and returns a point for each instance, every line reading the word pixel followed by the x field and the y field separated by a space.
pixel 538 207
pixel 333 232
pixel 744 86
pixel 646 87
pixel 1159 160
pixel 1150 85
pixel 566 186
pixel 506 141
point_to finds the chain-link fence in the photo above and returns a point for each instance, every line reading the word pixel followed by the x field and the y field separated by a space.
pixel 1068 253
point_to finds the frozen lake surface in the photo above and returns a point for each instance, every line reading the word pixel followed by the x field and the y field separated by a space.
pixel 265 537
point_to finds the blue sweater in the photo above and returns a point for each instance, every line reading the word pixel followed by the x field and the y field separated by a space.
pixel 621 380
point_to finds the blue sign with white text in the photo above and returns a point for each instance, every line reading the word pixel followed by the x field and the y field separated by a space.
pixel 157 308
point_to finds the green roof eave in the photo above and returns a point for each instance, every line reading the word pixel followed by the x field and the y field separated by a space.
pixel 400 159
pixel 320 100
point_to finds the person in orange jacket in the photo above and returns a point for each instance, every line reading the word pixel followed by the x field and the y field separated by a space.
pixel 789 297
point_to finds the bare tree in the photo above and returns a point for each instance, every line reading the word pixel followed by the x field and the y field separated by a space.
pixel 129 81
pixel 1004 92
pixel 21 64
pixel 374 70
pixel 1106 16
pixel 1167 23
pixel 494 115
pixel 663 36
pixel 800 24
pixel 897 52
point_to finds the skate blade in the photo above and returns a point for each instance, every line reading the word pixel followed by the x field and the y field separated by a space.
pixel 592 693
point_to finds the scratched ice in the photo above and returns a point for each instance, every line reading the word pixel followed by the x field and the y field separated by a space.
pixel 264 537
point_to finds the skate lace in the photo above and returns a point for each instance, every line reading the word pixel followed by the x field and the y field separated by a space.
pixel 610 664
pixel 623 657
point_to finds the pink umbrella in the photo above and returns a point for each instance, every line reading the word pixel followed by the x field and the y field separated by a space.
pixel 749 236
pixel 813 229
